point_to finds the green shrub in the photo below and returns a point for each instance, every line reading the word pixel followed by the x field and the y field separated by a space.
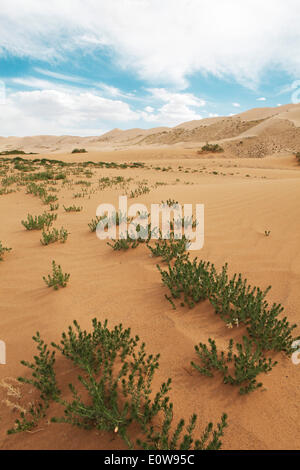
pixel 58 278
pixel 54 236
pixel 93 224
pixel 43 375
pixel 54 207
pixel 48 198
pixel 3 249
pixel 36 190
pixel 79 151
pixel 39 222
pixel 213 148
pixel 170 248
pixel 248 363
pixel 73 208
pixel 114 392
pixel 189 279
pixel 233 299
pixel 123 244
pixel 12 152
pixel 169 202
pixel 139 191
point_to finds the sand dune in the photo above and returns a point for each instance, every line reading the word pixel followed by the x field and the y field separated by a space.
pixel 272 130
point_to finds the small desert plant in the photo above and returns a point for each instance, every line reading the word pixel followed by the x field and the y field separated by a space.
pixel 269 332
pixel 186 278
pixel 169 248
pixel 73 208
pixel 298 156
pixel 44 380
pixel 79 151
pixel 54 236
pixel 169 202
pixel 142 234
pixel 3 249
pixel 163 439
pixel 36 412
pixel 214 148
pixel 233 299
pixel 123 244
pixel 248 363
pixel 117 380
pixel 139 191
pixel 58 278
pixel 39 222
pixel 94 222
pixel 54 207
pixel 267 233
pixel 43 374
pixel 48 198
pixel 36 190
pixel 12 152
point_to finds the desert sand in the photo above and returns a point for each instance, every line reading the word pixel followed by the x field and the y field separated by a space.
pixel 243 196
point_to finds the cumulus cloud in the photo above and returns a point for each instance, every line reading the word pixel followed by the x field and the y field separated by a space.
pixel 177 107
pixel 163 42
pixel 261 99
pixel 53 111
pixel 236 105
pixel 55 108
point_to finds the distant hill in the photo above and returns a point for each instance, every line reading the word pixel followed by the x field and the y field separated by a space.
pixel 254 133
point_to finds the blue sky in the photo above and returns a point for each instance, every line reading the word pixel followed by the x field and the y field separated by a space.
pixel 85 67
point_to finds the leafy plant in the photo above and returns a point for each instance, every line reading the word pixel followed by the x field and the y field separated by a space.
pixel 3 249
pixel 139 191
pixel 36 190
pixel 163 439
pixel 188 278
pixel 73 208
pixel 58 278
pixel 214 148
pixel 44 380
pixel 169 248
pixel 233 299
pixel 124 244
pixel 54 236
pixel 117 380
pixel 271 333
pixel 36 412
pixel 142 234
pixel 248 363
pixel 169 202
pixel 79 151
pixel 49 198
pixel 93 224
pixel 54 207
pixel 43 374
pixel 39 222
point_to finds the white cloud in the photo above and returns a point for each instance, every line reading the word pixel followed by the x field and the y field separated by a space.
pixel 236 105
pixel 178 107
pixel 59 76
pixel 261 99
pixel 164 42
pixel 45 107
pixel 61 112
pixel 149 109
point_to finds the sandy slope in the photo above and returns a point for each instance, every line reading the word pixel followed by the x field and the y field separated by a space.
pixel 264 131
pixel 243 200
